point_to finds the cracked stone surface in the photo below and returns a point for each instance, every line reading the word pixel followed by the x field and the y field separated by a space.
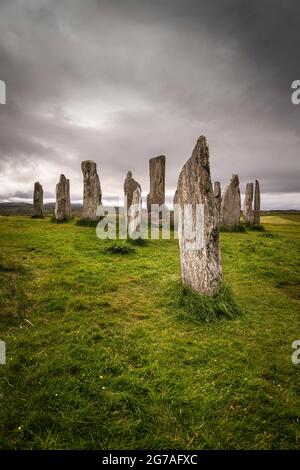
pixel 157 173
pixel 200 267
pixel 63 209
pixel 248 215
pixel 257 204
pixel 231 204
pixel 38 200
pixel 92 194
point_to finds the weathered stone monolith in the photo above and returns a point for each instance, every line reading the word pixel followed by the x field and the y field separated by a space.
pixel 248 203
pixel 157 170
pixel 63 203
pixel 38 200
pixel 132 196
pixel 92 193
pixel 257 204
pixel 69 206
pixel 231 204
pixel 134 214
pixel 200 263
pixel 218 196
pixel 130 185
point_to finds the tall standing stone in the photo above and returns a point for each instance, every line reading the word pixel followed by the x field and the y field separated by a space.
pixel 69 206
pixel 130 185
pixel 218 196
pixel 248 215
pixel 38 200
pixel 231 204
pixel 92 193
pixel 132 198
pixel 63 203
pixel 200 266
pixel 157 173
pixel 257 204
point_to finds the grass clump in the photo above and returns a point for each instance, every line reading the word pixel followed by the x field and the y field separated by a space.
pixel 88 223
pixel 204 308
pixel 241 228
pixel 119 248
pixel 138 241
pixel 257 228
pixel 54 220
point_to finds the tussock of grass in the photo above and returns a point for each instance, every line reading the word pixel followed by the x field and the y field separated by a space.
pixel 257 228
pixel 37 216
pixel 119 248
pixel 241 228
pixel 54 220
pixel 139 241
pixel 203 307
pixel 87 223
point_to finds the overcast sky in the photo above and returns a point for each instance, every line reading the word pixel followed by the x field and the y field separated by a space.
pixel 121 81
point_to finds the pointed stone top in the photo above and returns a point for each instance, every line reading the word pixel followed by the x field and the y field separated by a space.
pixel 202 139
pixel 235 180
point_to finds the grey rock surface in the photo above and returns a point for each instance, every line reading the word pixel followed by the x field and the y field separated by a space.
pixel 231 204
pixel 157 173
pixel 38 200
pixel 218 196
pixel 63 202
pixel 200 267
pixel 248 215
pixel 92 194
pixel 257 204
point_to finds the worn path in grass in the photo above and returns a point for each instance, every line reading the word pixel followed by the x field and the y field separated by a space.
pixel 107 362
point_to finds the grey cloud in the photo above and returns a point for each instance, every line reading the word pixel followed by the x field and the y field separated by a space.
pixel 122 81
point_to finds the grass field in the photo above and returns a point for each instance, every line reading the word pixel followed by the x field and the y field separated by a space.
pixel 99 358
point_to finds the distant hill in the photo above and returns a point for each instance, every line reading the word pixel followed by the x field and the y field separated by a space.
pixel 24 208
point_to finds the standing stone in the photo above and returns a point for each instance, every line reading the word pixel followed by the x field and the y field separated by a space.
pixel 92 193
pixel 231 204
pixel 257 204
pixel 63 202
pixel 130 185
pixel 218 196
pixel 157 172
pixel 38 200
pixel 132 196
pixel 135 214
pixel 69 207
pixel 200 267
pixel 248 215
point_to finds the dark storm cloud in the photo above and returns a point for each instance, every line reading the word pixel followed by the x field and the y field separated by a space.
pixel 122 81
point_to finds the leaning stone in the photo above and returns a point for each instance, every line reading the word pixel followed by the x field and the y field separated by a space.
pixel 257 204
pixel 200 264
pixel 248 215
pixel 92 193
pixel 231 204
pixel 38 200
pixel 63 203
pixel 157 172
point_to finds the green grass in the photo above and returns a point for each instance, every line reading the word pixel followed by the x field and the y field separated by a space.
pixel 108 359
